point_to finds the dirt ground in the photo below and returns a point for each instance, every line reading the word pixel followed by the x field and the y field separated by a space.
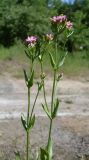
pixel 71 127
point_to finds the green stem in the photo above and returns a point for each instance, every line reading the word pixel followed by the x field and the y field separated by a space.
pixel 28 116
pixel 56 51
pixel 43 85
pixel 27 147
pixel 34 104
pixel 53 96
pixel 52 107
pixel 32 62
pixel 44 95
pixel 53 91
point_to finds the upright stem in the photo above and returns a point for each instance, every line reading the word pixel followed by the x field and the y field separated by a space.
pixel 43 85
pixel 34 104
pixel 56 51
pixel 53 91
pixel 27 147
pixel 52 103
pixel 53 96
pixel 28 116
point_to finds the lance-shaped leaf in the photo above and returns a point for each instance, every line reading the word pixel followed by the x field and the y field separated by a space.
pixel 38 156
pixel 40 85
pixel 46 111
pixel 28 55
pixel 30 81
pixel 62 61
pixel 50 148
pixel 44 154
pixel 70 33
pixel 31 122
pixel 56 105
pixel 52 60
pixel 40 57
pixel 26 77
pixel 37 51
pixel 17 156
pixel 24 123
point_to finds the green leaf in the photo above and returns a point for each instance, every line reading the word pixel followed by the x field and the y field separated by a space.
pixel 46 111
pixel 30 81
pixel 70 33
pixel 26 77
pixel 50 149
pixel 31 122
pixel 17 156
pixel 52 60
pixel 40 57
pixel 44 154
pixel 56 105
pixel 62 61
pixel 27 54
pixel 38 47
pixel 38 156
pixel 24 123
pixel 40 85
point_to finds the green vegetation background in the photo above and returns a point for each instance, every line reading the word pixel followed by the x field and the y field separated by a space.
pixel 19 18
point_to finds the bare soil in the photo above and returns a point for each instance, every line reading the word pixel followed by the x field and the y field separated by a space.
pixel 70 128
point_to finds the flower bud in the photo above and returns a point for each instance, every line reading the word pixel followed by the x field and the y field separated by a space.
pixel 43 76
pixel 59 76
pixel 49 37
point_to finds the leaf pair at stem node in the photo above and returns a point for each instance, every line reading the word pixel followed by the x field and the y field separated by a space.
pixel 30 124
pixel 29 81
pixel 55 109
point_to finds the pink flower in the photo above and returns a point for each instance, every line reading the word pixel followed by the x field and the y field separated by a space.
pixel 69 25
pixel 49 37
pixel 59 19
pixel 54 19
pixel 31 40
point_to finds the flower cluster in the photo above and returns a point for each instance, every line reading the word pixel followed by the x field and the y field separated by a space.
pixel 31 41
pixel 55 20
pixel 62 19
pixel 59 19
